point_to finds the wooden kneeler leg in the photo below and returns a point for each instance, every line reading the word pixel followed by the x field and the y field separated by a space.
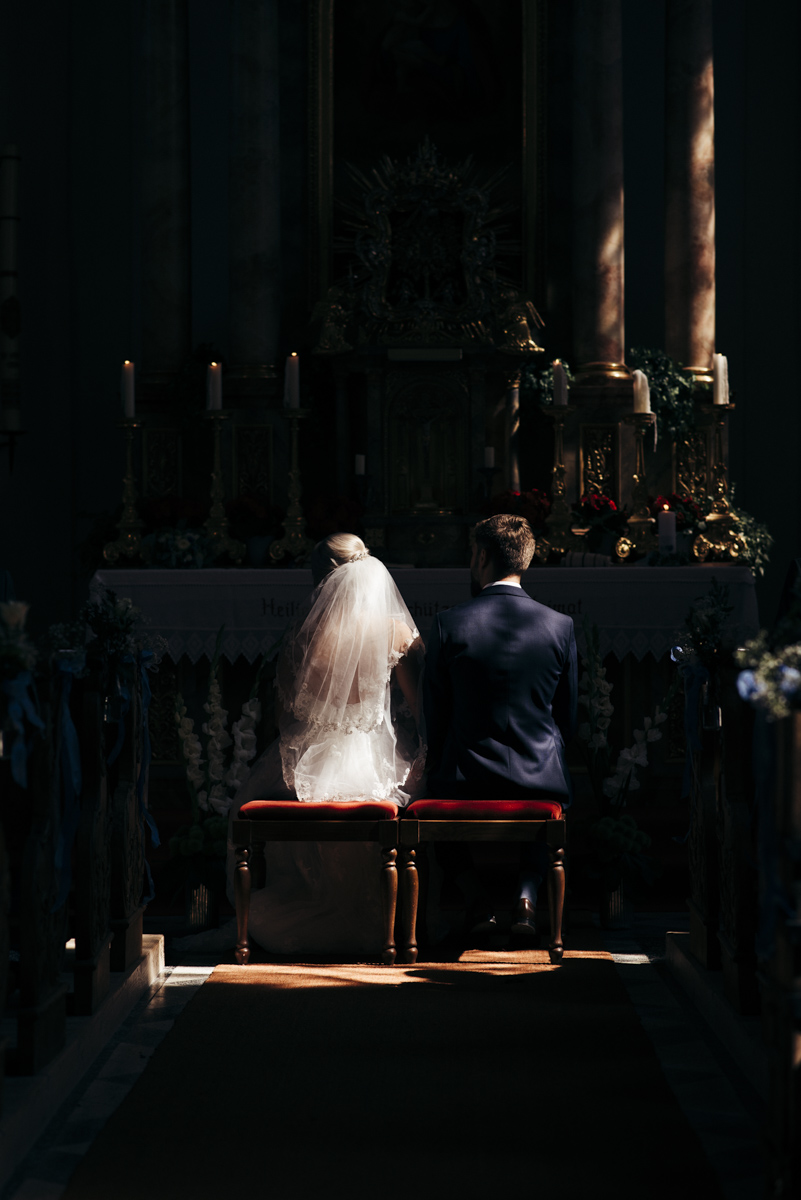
pixel 389 902
pixel 242 899
pixel 556 900
pixel 410 891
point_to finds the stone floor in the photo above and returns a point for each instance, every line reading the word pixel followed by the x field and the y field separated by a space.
pixel 720 1104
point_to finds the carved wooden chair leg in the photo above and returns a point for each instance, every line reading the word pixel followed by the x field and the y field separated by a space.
pixel 410 891
pixel 556 900
pixel 389 901
pixel 242 899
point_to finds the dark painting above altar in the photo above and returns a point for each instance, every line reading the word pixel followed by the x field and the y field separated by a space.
pixel 466 74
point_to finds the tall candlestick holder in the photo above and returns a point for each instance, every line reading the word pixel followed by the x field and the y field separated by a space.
pixel 722 536
pixel 560 537
pixel 640 536
pixel 294 544
pixel 216 524
pixel 130 524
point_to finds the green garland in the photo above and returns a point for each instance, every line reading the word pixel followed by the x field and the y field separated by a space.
pixel 671 389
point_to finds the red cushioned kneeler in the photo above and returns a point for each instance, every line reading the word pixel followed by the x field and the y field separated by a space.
pixel 261 821
pixel 300 810
pixel 500 820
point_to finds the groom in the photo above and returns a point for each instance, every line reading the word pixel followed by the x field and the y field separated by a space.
pixel 500 702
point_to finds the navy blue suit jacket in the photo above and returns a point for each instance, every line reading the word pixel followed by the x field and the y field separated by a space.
pixel 500 698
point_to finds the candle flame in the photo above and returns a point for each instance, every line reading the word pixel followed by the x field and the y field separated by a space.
pixel 213 364
pixel 666 508
pixel 294 354
pixel 127 362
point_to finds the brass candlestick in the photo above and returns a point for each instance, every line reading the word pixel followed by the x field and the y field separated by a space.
pixel 130 525
pixel 294 544
pixel 639 535
pixel 722 534
pixel 216 524
pixel 560 537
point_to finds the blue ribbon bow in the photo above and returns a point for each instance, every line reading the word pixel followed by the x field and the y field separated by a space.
pixel 71 779
pixel 21 709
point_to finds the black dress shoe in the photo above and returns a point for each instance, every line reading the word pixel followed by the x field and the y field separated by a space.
pixel 524 923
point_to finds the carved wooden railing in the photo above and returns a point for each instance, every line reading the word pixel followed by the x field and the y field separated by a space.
pixel 722 849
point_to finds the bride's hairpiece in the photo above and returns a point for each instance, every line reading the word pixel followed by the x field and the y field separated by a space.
pixel 357 557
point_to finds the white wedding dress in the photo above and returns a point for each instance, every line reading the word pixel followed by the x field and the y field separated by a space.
pixel 348 731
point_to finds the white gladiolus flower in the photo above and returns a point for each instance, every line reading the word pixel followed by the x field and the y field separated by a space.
pixel 603 722
pixel 659 717
pixel 654 736
pixel 598 740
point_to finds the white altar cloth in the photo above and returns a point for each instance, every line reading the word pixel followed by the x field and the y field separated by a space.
pixel 638 610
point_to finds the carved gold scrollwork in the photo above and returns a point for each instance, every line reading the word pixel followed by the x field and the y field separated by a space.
pixel 599 455
pixel 161 466
pixel 692 465
pixel 253 461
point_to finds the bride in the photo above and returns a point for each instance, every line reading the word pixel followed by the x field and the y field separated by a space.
pixel 348 707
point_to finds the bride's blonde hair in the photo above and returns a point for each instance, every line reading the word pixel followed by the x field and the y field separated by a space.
pixel 335 551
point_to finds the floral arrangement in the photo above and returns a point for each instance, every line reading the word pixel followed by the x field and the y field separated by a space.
pixel 688 513
pixel 17 651
pixel 671 389
pixel 113 620
pixel 179 546
pixel 619 844
pixel 597 517
pixel 703 638
pixel 213 782
pixel 771 675
pixel 534 505
pixel 540 380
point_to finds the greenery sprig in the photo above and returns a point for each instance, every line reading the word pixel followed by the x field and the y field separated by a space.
pixel 671 389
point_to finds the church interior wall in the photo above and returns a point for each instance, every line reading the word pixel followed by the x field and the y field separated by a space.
pixel 69 100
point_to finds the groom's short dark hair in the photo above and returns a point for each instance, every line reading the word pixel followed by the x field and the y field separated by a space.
pixel 508 541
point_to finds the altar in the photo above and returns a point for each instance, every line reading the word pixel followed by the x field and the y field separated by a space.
pixel 638 610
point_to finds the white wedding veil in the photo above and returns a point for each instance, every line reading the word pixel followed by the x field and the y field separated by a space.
pixel 333 679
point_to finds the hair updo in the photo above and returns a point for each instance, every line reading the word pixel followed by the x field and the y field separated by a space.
pixel 335 551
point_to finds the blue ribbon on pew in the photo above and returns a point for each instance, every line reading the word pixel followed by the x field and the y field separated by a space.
pixel 21 709
pixel 71 779
pixel 145 662
pixel 124 695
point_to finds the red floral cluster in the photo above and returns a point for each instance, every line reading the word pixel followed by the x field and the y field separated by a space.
pixel 687 511
pixel 534 505
pixel 594 507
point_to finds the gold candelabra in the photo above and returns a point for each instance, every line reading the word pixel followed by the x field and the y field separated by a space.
pixel 294 544
pixel 130 524
pixel 559 538
pixel 722 535
pixel 639 536
pixel 216 524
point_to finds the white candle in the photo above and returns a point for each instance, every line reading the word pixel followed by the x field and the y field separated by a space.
pixel 361 464
pixel 666 529
pixel 489 458
pixel 720 379
pixel 292 381
pixel 642 393
pixel 559 383
pixel 214 387
pixel 127 390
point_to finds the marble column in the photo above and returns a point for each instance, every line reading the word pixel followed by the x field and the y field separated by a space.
pixel 598 190
pixel 254 190
pixel 166 291
pixel 690 185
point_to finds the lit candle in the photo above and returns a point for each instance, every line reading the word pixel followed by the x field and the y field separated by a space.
pixel 489 458
pixel 666 530
pixel 642 393
pixel 127 390
pixel 559 383
pixel 214 387
pixel 720 379
pixel 361 463
pixel 292 382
